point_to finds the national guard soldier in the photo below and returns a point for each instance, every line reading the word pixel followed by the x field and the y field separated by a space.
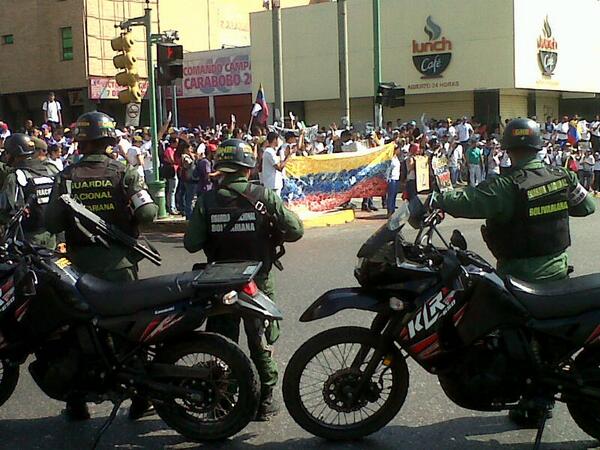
pixel 29 180
pixel 527 212
pixel 244 221
pixel 114 192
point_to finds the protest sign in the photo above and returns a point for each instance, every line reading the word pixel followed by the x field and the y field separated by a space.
pixel 422 173
pixel 442 173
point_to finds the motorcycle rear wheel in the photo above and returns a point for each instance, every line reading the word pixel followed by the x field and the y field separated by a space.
pixel 330 389
pixel 586 413
pixel 224 403
pixel 9 377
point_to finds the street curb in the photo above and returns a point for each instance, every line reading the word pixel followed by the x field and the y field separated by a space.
pixel 166 226
pixel 330 219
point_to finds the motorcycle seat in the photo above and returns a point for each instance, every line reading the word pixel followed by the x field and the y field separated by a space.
pixel 558 299
pixel 119 299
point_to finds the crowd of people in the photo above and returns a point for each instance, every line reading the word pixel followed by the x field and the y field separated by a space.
pixel 473 152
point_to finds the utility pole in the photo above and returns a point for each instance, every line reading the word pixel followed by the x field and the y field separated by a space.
pixel 377 61
pixel 175 110
pixel 156 187
pixel 343 50
pixel 278 61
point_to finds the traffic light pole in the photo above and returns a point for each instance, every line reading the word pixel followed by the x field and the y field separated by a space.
pixel 156 187
pixel 377 61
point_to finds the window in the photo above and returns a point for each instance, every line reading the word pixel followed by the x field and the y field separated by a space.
pixel 66 37
pixel 8 39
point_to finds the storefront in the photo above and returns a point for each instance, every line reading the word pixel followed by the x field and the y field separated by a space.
pixel 493 60
pixel 216 85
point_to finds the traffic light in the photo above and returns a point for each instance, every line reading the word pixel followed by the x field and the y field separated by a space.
pixel 391 95
pixel 126 61
pixel 170 63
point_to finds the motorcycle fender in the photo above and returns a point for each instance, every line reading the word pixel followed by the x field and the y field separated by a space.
pixel 260 306
pixel 338 300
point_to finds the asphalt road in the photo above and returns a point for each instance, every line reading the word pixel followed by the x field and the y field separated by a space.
pixel 323 260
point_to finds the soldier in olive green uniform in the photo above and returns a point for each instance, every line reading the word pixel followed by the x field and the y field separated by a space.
pixel 118 195
pixel 108 188
pixel 527 212
pixel 242 221
pixel 28 177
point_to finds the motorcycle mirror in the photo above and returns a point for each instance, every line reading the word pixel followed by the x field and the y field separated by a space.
pixel 417 212
pixel 21 178
pixel 399 218
pixel 458 240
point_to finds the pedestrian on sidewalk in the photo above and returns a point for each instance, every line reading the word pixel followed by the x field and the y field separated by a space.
pixel 393 179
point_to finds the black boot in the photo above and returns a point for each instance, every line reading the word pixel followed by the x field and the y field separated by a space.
pixel 76 410
pixel 268 406
pixel 139 408
pixel 529 413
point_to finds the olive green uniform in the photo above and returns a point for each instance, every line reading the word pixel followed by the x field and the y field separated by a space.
pixel 11 187
pixel 116 263
pixel 195 239
pixel 496 199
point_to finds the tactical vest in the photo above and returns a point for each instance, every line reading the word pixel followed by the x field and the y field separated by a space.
pixel 39 183
pixel 99 187
pixel 237 230
pixel 540 226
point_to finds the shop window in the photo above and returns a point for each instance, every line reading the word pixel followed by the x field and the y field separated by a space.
pixel 66 37
pixel 8 39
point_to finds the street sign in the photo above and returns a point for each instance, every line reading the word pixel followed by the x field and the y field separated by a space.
pixel 132 115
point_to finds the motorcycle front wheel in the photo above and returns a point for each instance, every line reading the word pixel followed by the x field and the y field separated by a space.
pixel 321 379
pixel 220 405
pixel 9 377
pixel 586 412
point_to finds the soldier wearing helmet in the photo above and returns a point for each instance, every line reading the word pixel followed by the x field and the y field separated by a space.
pixel 117 194
pixel 29 181
pixel 527 218
pixel 244 221
pixel 527 209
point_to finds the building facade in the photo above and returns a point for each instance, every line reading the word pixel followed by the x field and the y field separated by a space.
pixel 494 59
pixel 64 46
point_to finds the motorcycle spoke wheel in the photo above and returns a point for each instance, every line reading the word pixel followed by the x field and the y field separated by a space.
pixel 218 405
pixel 321 381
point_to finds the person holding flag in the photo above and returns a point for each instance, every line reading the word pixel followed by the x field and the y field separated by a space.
pixel 260 110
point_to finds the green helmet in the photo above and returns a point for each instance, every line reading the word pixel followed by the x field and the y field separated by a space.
pixel 522 134
pixel 19 144
pixel 234 154
pixel 94 125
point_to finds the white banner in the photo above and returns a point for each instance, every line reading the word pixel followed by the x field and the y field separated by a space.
pixel 217 72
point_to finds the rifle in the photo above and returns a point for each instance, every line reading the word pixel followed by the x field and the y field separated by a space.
pixel 101 230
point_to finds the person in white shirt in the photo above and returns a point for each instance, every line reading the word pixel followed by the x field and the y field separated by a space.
pixel 393 179
pixel 455 159
pixel 596 173
pixel 595 131
pixel 464 131
pixel 451 131
pixel 493 162
pixel 146 150
pixel 562 131
pixel 52 111
pixel 272 164
pixel 505 163
pixel 134 155
pixel 54 156
pixel 583 126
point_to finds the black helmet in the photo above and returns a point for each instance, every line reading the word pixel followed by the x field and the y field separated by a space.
pixel 19 144
pixel 522 134
pixel 234 154
pixel 95 125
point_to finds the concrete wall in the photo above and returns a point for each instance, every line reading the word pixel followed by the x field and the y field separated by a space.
pixel 34 61
pixel 575 32
pixel 310 45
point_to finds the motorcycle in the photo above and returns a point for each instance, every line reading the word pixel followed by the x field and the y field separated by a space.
pixel 491 342
pixel 98 341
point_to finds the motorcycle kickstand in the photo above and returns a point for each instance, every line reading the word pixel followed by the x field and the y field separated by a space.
pixel 540 431
pixel 107 424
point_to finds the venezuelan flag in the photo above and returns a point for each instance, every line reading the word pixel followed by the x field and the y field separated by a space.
pixel 325 182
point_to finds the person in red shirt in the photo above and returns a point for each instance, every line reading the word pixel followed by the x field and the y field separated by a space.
pixel 169 173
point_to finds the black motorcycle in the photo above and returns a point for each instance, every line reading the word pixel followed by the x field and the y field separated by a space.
pixel 101 341
pixel 490 341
